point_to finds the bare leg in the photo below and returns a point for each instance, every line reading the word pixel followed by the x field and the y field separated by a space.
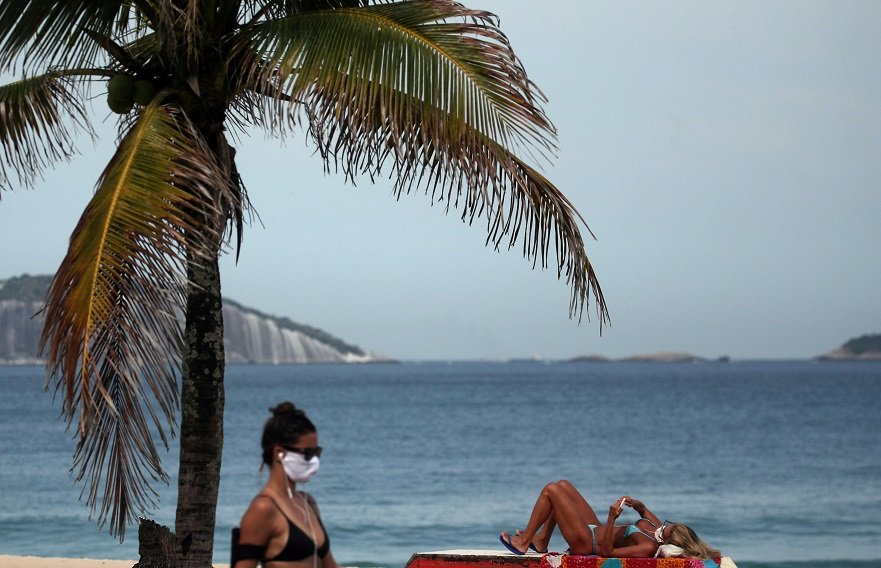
pixel 556 505
pixel 586 513
pixel 543 538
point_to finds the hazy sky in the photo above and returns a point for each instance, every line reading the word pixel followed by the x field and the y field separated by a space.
pixel 726 154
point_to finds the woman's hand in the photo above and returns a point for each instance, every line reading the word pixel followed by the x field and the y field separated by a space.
pixel 617 507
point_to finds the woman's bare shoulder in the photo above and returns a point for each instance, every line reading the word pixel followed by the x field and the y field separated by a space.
pixel 261 506
pixel 259 523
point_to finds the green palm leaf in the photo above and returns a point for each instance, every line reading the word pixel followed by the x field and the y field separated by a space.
pixel 479 178
pixel 40 33
pixel 112 330
pixel 535 207
pixel 444 104
pixel 441 54
pixel 37 119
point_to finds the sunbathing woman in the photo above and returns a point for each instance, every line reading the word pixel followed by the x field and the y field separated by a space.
pixel 561 505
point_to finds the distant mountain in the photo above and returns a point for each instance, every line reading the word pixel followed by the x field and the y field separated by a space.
pixel 254 337
pixel 25 288
pixel 249 335
pixel 863 348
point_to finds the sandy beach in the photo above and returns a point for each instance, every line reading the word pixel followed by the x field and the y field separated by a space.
pixel 40 562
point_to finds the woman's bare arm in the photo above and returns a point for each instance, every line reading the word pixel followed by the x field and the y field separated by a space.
pixel 328 561
pixel 607 542
pixel 645 549
pixel 643 511
pixel 256 528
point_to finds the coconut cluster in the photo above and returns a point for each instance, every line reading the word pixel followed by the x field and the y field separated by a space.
pixel 124 91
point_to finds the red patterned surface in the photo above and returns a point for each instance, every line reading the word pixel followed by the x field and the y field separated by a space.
pixel 480 559
pixel 574 561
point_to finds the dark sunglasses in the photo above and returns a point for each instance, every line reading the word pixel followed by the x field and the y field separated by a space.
pixel 307 453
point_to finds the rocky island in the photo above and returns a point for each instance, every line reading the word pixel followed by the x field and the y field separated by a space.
pixel 664 357
pixel 660 357
pixel 863 348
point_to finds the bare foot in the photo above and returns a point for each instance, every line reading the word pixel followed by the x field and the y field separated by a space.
pixel 539 542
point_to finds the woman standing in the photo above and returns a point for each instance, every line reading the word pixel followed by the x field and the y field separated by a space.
pixel 282 527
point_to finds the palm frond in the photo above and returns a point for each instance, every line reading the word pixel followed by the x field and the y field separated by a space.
pixel 473 174
pixel 253 11
pixel 41 33
pixel 442 55
pixel 112 333
pixel 37 118
pixel 445 106
pixel 179 33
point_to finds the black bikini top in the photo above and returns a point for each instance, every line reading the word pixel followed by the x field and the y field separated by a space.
pixel 298 547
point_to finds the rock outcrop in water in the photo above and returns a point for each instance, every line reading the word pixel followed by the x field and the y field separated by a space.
pixel 250 336
pixel 863 348
pixel 662 357
pixel 665 357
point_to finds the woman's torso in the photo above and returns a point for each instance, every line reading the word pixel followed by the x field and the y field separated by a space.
pixel 298 534
pixel 634 533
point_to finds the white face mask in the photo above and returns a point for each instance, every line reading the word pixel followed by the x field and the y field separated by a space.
pixel 659 534
pixel 298 469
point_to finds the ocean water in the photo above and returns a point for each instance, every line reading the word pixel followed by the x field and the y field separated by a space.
pixel 778 464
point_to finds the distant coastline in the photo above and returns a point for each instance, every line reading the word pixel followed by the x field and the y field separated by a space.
pixel 842 355
pixel 250 336
pixel 660 357
pixel 255 337
pixel 862 348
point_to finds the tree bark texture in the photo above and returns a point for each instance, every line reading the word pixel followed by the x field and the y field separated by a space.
pixel 156 546
pixel 202 401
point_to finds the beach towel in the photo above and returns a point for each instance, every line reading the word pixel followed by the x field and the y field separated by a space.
pixel 557 560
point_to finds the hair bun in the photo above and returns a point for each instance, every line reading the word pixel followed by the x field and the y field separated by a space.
pixel 286 425
pixel 286 408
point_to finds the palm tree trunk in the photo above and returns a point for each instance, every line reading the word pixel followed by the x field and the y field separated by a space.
pixel 202 400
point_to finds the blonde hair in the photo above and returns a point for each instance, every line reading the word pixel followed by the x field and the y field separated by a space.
pixel 686 539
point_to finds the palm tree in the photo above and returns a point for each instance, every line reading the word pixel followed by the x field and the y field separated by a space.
pixel 427 91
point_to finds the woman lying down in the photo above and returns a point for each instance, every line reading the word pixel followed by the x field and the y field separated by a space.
pixel 561 505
